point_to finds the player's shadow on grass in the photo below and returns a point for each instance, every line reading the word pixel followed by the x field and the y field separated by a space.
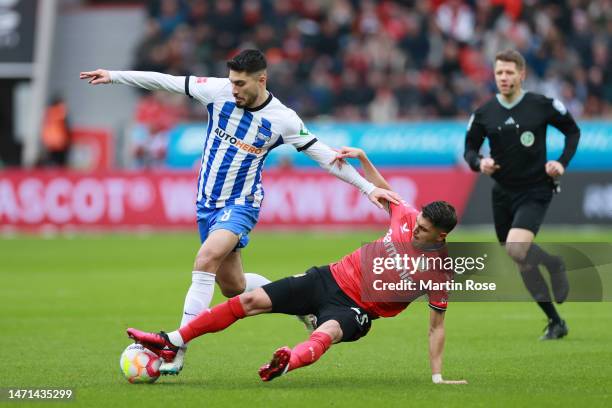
pixel 291 382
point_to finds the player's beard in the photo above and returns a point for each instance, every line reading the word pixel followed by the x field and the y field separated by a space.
pixel 247 101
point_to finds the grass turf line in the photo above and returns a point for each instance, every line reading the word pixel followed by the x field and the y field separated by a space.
pixel 65 303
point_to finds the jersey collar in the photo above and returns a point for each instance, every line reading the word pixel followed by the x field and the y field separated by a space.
pixel 513 104
pixel 263 105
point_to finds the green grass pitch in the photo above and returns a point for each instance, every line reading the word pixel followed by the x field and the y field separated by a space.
pixel 65 303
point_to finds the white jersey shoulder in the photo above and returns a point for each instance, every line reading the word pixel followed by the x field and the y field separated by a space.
pixel 237 143
pixel 285 122
pixel 289 125
pixel 205 89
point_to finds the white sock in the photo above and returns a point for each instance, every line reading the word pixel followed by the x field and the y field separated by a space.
pixel 199 295
pixel 176 338
pixel 254 281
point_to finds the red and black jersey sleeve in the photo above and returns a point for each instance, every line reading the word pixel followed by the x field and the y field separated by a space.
pixel 438 299
pixel 440 304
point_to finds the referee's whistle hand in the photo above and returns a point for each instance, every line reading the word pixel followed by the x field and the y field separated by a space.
pixel 488 166
pixel 554 168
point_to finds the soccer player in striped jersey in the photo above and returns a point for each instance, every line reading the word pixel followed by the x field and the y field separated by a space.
pixel 343 296
pixel 245 122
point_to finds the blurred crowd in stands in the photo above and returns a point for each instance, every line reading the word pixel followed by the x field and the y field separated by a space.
pixel 388 60
pixel 377 61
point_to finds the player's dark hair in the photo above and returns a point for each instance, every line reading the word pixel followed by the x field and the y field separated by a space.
pixel 248 61
pixel 511 55
pixel 441 214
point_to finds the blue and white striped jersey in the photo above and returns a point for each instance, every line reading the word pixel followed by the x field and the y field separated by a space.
pixel 238 141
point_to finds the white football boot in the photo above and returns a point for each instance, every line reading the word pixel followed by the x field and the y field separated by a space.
pixel 175 366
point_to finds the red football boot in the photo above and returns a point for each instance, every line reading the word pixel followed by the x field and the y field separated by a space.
pixel 277 366
pixel 158 343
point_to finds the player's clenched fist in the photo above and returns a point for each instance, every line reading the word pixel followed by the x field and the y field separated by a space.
pixel 488 166
pixel 99 76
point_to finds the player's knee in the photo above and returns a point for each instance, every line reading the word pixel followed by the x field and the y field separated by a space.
pixel 331 328
pixel 232 289
pixel 517 251
pixel 249 302
pixel 255 302
pixel 208 261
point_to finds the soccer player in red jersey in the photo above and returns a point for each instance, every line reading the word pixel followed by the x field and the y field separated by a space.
pixel 347 295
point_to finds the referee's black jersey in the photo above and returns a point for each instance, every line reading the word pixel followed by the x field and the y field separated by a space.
pixel 517 137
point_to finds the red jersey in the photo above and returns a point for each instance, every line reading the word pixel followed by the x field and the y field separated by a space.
pixel 361 276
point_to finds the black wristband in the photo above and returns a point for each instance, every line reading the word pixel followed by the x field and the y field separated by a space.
pixel 187 86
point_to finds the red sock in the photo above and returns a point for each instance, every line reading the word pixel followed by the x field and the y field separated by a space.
pixel 309 351
pixel 213 320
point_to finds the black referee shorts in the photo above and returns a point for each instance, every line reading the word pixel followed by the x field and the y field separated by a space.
pixel 316 292
pixel 520 208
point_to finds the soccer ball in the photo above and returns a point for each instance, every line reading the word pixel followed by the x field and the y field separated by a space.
pixel 139 365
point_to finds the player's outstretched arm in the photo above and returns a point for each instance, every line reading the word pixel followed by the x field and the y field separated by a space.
pixel 97 77
pixel 436 348
pixel 326 157
pixel 153 81
pixel 370 172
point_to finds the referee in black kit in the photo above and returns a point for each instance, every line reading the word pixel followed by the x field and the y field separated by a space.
pixel 515 123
